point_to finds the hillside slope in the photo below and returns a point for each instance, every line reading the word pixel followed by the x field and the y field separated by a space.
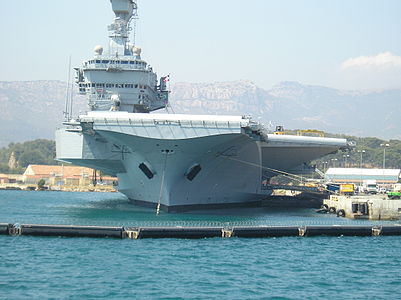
pixel 33 109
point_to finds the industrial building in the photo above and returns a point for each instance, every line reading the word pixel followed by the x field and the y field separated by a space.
pixel 65 178
pixel 62 175
pixel 357 175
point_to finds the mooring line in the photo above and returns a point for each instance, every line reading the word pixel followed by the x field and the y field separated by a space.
pixel 293 176
pixel 161 186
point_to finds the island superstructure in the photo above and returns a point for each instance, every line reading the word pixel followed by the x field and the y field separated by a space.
pixel 173 161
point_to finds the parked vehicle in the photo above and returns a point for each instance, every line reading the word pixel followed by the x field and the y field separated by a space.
pixel 395 193
pixel 370 187
pixel 347 189
pixel 382 190
pixel 332 187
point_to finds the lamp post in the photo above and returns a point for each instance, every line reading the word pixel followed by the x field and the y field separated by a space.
pixel 324 166
pixel 334 162
pixel 361 152
pixel 384 153
pixel 345 159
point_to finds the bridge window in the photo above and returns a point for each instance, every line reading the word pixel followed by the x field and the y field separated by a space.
pixel 98 61
pixel 124 62
pixel 105 61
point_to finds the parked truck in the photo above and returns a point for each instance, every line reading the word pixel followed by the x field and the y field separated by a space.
pixel 347 189
pixel 396 192
pixel 369 186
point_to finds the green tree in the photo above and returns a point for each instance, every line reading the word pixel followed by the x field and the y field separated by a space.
pixel 31 157
pixel 32 152
pixel 41 184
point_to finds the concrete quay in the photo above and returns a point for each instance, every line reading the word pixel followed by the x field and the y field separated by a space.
pixel 372 207
pixel 65 188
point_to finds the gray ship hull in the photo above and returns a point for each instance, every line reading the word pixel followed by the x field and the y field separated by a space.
pixel 185 162
pixel 172 161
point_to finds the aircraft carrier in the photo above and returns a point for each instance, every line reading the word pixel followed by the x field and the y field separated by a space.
pixel 171 161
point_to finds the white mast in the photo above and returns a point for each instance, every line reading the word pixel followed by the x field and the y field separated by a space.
pixel 120 29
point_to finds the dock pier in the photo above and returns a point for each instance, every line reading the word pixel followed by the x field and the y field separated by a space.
pixel 197 232
pixel 370 207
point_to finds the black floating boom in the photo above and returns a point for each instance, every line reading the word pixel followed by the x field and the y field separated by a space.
pixel 196 232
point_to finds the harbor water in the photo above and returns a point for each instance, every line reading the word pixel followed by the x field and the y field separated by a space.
pixel 233 268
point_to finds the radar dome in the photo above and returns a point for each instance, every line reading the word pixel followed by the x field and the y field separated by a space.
pixel 115 98
pixel 136 50
pixel 115 105
pixel 98 50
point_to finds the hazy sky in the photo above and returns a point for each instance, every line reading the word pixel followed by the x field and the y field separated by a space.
pixel 350 44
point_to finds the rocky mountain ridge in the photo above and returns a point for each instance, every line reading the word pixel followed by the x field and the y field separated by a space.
pixel 33 109
pixel 295 105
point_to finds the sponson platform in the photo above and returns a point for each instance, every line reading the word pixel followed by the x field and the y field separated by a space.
pixel 196 232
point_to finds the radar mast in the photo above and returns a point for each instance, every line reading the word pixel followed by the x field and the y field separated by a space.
pixel 119 80
pixel 125 11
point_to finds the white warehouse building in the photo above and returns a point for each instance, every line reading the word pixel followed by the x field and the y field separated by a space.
pixel 357 175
